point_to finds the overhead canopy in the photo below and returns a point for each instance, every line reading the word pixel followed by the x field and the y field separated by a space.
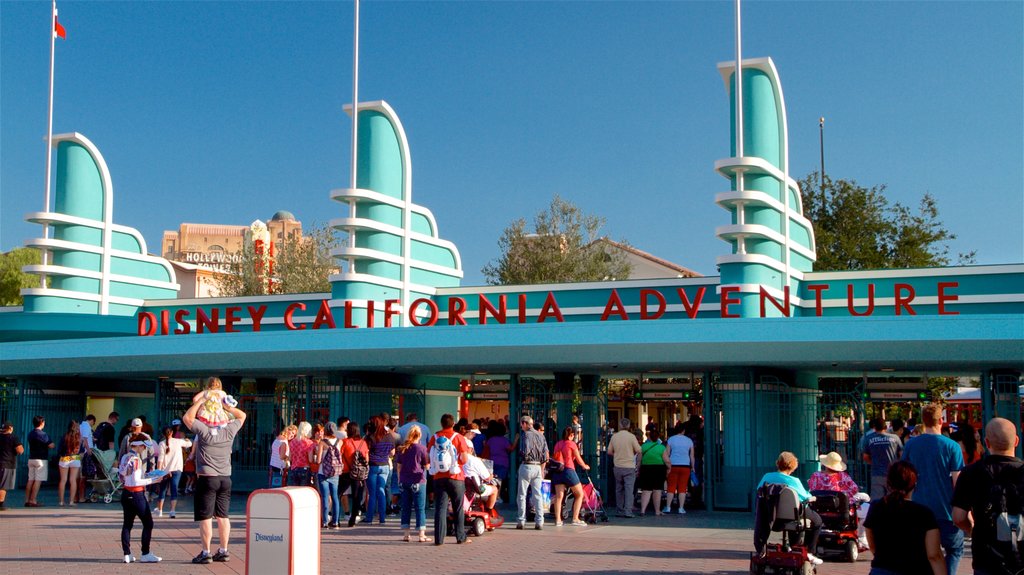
pixel 960 344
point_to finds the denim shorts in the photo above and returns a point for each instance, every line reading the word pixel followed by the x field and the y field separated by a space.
pixel 566 477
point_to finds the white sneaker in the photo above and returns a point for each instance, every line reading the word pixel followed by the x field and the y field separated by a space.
pixel 862 541
pixel 129 559
pixel 159 512
pixel 666 510
pixel 171 515
pixel 150 558
pixel 813 559
pixel 682 511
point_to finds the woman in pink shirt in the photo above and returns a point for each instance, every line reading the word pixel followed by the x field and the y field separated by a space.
pixel 568 453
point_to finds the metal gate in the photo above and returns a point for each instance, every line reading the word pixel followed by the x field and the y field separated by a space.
pixel 59 408
pixel 359 401
pixel 751 423
pixel 841 421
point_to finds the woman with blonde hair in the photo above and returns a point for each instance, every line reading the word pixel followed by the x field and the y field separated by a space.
pixel 412 461
pixel 300 446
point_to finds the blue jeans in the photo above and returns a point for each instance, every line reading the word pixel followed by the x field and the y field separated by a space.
pixel 375 484
pixel 414 496
pixel 298 476
pixel 952 540
pixel 531 476
pixel 329 498
pixel 170 483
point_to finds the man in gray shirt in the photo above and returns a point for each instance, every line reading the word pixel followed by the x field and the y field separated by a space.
pixel 213 468
pixel 533 454
pixel 881 450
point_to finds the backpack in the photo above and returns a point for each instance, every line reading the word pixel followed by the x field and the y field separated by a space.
pixel 360 467
pixel 1003 513
pixel 331 465
pixel 443 458
pixel 99 435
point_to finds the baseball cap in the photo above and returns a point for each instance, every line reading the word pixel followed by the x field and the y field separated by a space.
pixel 136 422
pixel 175 422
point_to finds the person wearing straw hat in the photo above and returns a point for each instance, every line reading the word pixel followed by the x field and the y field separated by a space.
pixel 833 477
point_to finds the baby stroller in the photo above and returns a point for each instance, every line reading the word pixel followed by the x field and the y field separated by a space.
pixel 779 509
pixel 592 509
pixel 838 524
pixel 106 485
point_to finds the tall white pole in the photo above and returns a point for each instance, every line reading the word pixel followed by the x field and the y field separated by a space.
pixel 49 137
pixel 355 96
pixel 739 85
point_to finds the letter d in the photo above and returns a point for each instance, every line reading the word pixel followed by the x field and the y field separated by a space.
pixel 147 323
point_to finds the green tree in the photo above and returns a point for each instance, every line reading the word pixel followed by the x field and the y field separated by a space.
pixel 857 228
pixel 559 248
pixel 12 279
pixel 301 264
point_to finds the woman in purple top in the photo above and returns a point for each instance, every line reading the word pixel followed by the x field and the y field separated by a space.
pixel 412 461
pixel 382 447
pixel 497 449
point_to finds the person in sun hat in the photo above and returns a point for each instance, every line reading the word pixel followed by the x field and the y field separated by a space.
pixel 833 477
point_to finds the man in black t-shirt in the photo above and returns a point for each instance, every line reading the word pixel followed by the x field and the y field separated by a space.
pixel 10 449
pixel 973 493
pixel 104 434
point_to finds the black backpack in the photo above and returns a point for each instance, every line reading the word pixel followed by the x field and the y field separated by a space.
pixel 1004 517
pixel 360 467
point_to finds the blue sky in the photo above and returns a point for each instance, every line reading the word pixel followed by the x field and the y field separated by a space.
pixel 224 112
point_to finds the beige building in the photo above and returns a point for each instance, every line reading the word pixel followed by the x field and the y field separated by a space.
pixel 199 252
pixel 644 265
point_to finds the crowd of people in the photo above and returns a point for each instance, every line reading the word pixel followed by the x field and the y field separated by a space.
pixel 927 494
pixel 928 488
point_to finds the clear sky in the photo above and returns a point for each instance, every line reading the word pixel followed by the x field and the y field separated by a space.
pixel 225 112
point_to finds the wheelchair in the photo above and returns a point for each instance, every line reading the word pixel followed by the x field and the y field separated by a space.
pixel 839 525
pixel 779 510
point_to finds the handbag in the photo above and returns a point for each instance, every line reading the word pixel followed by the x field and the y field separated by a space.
pixel 554 466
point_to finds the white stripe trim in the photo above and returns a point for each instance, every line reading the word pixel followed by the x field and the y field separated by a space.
pixel 582 286
pixel 53 217
pixel 731 230
pixel 90 274
pixel 757 259
pixel 918 272
pixel 83 296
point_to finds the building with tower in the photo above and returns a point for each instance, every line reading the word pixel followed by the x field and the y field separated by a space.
pixel 768 354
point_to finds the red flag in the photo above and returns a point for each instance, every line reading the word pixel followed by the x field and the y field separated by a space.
pixel 58 30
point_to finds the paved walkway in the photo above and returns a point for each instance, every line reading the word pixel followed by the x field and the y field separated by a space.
pixel 86 540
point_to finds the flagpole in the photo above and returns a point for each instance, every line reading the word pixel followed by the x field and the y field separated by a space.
pixel 355 96
pixel 49 137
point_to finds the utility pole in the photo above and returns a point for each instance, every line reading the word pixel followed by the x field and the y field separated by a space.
pixel 821 145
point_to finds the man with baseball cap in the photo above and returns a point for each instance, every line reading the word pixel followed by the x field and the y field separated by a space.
pixel 136 428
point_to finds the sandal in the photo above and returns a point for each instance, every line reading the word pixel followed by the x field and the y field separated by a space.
pixel 406 538
pixel 424 539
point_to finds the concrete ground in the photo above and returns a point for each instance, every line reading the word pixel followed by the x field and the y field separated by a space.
pixel 86 539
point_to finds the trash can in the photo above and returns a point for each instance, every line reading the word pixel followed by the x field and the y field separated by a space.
pixel 282 532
